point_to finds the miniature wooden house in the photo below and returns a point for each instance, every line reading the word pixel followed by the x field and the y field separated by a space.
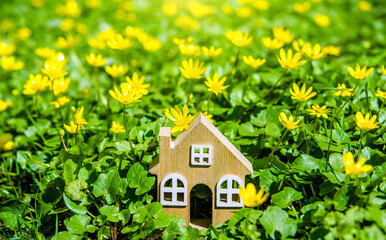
pixel 201 155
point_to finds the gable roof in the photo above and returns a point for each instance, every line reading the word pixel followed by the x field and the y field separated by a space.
pixel 201 119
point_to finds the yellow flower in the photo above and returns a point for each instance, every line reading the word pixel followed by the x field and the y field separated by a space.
pixel 35 84
pixel 73 128
pixel 302 95
pixel 45 52
pixel 95 60
pixel 343 93
pixel 208 116
pixel 66 42
pixel 6 143
pixel 67 24
pixel 354 168
pixel 381 94
pixel 54 68
pixel 216 85
pixel 116 70
pixel 314 52
pixel 93 3
pixel 180 119
pixel 227 9
pixel 272 43
pixel 189 50
pixel 260 4
pixel 289 62
pixel 38 3
pixel 6 49
pixel 60 85
pixel 137 84
pixel 79 120
pixel 4 105
pixel 186 23
pixel 365 123
pixel 119 42
pixel 212 51
pixel 151 44
pixel 238 38
pixel 251 198
pixel 169 9
pixel 297 45
pixel 332 50
pixel 9 64
pixel 282 35
pixel 244 11
pixel 364 6
pixel 288 123
pixel 70 9
pixel 360 73
pixel 192 71
pixel 60 102
pixel 23 33
pixel 383 70
pixel 128 95
pixel 96 43
pixel 319 111
pixel 322 20
pixel 117 128
pixel 255 63
pixel 301 7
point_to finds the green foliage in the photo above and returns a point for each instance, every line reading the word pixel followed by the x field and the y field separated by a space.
pixel 95 184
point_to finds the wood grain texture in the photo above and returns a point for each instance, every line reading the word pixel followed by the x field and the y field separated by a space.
pixel 174 157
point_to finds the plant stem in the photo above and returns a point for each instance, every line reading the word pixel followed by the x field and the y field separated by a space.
pixel 274 85
pixel 296 213
pixel 127 132
pixel 297 109
pixel 270 155
pixel 360 145
pixel 36 96
pixel 189 92
pixel 340 109
pixel 210 95
pixel 236 60
pixel 367 97
pixel 383 102
pixel 64 144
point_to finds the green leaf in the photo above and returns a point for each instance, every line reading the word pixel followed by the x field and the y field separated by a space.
pixel 161 219
pixel 336 162
pixel 307 163
pixel 74 190
pixel 247 130
pixel 124 216
pixel 111 212
pixel 341 198
pixel 73 206
pixel 266 116
pixel 340 137
pixel 107 185
pixel 9 220
pixel 175 228
pixel 267 179
pixel 104 233
pixel 78 224
pixel 66 236
pixel 70 168
pixel 191 233
pixel 275 220
pixel 138 179
pixel 271 129
pixel 153 208
pixel 285 197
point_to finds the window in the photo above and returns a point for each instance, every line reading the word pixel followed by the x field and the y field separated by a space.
pixel 173 191
pixel 227 192
pixel 201 155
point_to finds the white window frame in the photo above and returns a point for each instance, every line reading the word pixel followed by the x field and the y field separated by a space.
pixel 201 155
pixel 174 189
pixel 229 191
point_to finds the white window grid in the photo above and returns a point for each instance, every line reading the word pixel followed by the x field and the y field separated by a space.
pixel 174 190
pixel 229 192
pixel 201 155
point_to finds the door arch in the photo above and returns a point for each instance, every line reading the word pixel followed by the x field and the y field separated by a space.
pixel 201 206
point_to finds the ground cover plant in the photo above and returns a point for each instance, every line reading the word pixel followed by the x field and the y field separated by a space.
pixel 297 86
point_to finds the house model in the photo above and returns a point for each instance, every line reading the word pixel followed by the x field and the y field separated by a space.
pixel 201 155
